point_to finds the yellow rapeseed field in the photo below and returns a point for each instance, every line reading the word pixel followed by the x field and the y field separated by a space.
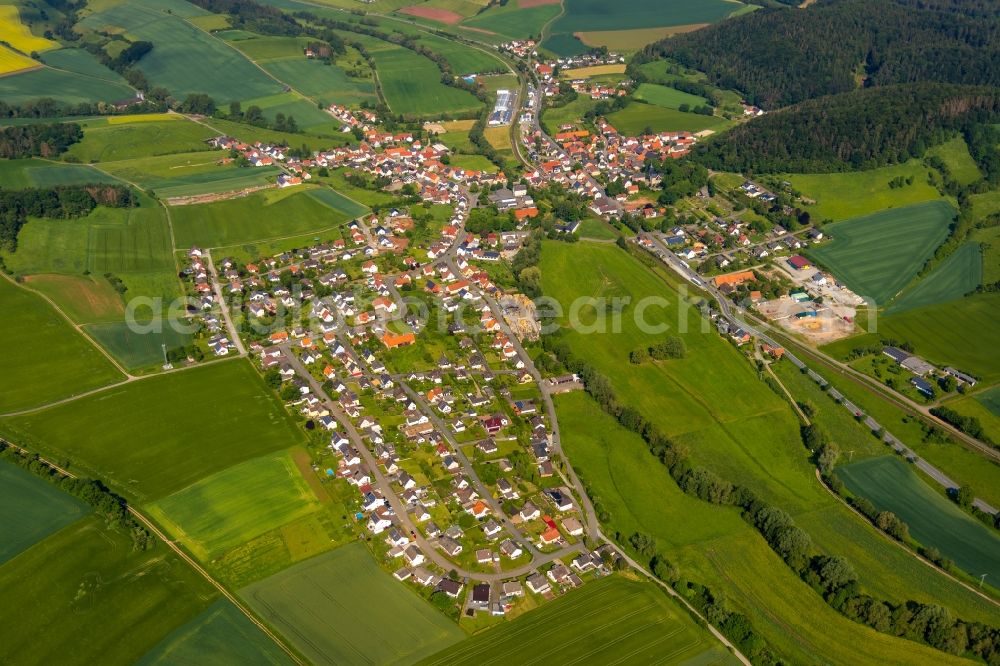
pixel 141 118
pixel 18 35
pixel 12 61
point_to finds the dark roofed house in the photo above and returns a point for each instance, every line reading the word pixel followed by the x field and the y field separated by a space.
pixel 450 587
pixel 480 596
pixel 923 386
pixel 896 354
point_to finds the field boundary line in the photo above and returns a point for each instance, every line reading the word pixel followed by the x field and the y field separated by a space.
pixel 187 558
pixel 904 547
pixel 77 327
pixel 101 389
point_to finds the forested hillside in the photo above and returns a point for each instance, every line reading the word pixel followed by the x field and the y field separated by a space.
pixel 855 130
pixel 783 56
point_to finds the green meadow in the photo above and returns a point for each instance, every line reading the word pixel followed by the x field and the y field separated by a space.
pixel 221 634
pixel 83 596
pixel 259 216
pixel 941 333
pixel 599 623
pixel 180 427
pixel 955 155
pixel 53 361
pixel 133 349
pixel 81 61
pixel 32 509
pixel 338 202
pixel 637 493
pixel 236 504
pixel 512 21
pixel 463 59
pixel 955 277
pixel 667 97
pixel 124 141
pixel 34 172
pixel 933 520
pixel 324 83
pixel 181 48
pixel 341 607
pixel 878 254
pixel 412 85
pixel 636 118
pixel 597 15
pixel 840 196
pixel 63 86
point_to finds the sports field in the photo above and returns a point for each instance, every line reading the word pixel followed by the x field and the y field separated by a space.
pixel 670 98
pixel 53 360
pixel 261 215
pixel 877 255
pixel 65 87
pixel 31 509
pixel 953 278
pixel 221 634
pixel 236 504
pixel 341 608
pixel 152 437
pixel 17 34
pixel 603 622
pixel 117 141
pixel 933 520
pixel 136 350
pixel 840 196
pixel 180 49
pixel 961 332
pixel 636 118
pixel 83 596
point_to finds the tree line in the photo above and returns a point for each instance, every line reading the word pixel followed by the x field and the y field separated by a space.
pixel 832 577
pixel 62 202
pixel 42 140
pixel 779 57
pixel 857 130
pixel 113 508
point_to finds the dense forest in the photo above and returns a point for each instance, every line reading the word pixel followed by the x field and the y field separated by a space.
pixel 64 202
pixel 856 130
pixel 48 140
pixel 780 57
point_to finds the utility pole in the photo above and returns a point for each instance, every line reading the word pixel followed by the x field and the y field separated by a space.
pixel 850 455
pixel 982 579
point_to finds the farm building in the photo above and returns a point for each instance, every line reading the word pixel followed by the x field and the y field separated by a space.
pixel 799 263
